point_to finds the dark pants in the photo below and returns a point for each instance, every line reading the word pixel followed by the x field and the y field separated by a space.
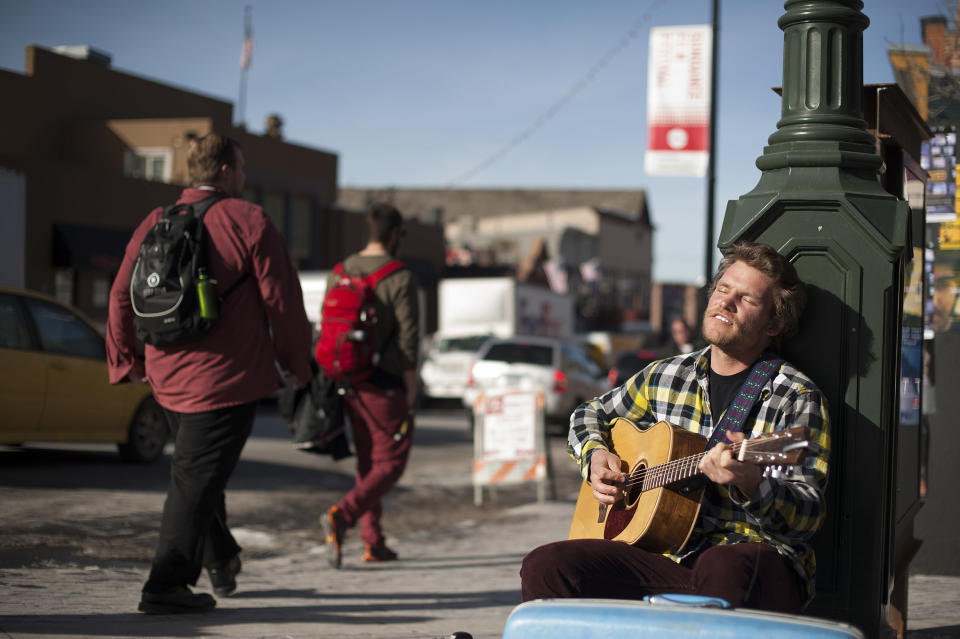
pixel 193 531
pixel 377 416
pixel 748 575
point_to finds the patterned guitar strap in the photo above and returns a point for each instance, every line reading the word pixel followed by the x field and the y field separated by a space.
pixel 735 416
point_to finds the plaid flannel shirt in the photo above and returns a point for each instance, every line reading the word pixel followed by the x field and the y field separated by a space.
pixel 785 512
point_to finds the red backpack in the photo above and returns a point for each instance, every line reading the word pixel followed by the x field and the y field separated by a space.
pixel 345 350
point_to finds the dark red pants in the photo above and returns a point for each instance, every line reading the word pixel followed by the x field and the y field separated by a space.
pixel 748 575
pixel 382 446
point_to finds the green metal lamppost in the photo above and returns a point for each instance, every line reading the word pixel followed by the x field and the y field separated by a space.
pixel 819 202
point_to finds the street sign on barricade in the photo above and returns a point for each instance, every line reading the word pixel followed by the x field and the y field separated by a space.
pixel 509 442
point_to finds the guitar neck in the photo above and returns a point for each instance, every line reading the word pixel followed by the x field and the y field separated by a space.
pixel 668 473
pixel 677 470
pixel 785 447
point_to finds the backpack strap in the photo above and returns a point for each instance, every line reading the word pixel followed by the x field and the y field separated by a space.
pixel 374 278
pixel 390 267
pixel 199 210
pixel 196 210
pixel 736 414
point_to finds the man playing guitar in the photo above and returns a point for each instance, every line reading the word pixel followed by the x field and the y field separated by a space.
pixel 750 540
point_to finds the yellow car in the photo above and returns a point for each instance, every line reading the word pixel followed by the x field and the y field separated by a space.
pixel 53 382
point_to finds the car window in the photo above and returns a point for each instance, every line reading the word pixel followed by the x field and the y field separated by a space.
pixel 13 328
pixel 578 357
pixel 470 344
pixel 64 333
pixel 519 353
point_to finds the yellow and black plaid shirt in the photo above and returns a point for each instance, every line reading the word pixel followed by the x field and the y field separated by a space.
pixel 786 510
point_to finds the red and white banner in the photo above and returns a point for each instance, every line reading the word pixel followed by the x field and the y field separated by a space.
pixel 678 100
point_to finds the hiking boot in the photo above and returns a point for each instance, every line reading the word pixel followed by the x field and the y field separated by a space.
pixel 178 600
pixel 378 553
pixel 333 528
pixel 223 577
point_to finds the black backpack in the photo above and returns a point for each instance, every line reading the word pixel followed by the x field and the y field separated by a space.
pixel 163 283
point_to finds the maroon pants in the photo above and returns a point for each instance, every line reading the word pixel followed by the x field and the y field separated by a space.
pixel 748 575
pixel 382 446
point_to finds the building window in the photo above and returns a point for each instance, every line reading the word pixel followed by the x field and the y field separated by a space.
pixel 274 205
pixel 64 285
pixel 149 163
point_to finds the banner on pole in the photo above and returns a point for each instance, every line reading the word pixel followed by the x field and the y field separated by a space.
pixel 678 100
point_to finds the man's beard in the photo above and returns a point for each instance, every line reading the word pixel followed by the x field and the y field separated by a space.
pixel 723 339
pixel 710 335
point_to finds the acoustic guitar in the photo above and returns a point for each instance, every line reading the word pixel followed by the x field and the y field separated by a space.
pixel 660 501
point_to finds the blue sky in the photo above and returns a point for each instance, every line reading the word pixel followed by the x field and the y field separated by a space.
pixel 422 92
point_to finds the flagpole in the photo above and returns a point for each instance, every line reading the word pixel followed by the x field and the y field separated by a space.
pixel 711 153
pixel 244 65
pixel 240 103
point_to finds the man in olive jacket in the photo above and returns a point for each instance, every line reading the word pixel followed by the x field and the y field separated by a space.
pixel 381 408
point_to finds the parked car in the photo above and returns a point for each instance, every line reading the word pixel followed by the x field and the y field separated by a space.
pixel 446 366
pixel 563 369
pixel 629 364
pixel 53 382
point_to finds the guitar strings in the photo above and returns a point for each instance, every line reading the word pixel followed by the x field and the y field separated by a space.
pixel 662 472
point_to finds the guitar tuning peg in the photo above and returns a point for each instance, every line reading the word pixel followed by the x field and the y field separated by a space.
pixel 776 472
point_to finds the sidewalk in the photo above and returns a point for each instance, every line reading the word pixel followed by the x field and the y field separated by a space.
pixel 463 577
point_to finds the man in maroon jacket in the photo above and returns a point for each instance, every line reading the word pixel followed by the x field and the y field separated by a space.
pixel 209 388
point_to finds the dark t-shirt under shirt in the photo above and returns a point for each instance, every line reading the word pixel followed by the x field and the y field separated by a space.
pixel 723 390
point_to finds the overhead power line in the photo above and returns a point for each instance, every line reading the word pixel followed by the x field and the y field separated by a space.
pixel 564 99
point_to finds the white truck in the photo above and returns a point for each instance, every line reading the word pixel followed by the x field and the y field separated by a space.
pixel 314 287
pixel 470 310
pixel 503 307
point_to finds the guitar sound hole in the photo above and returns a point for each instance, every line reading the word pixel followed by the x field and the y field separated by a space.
pixel 634 487
pixel 622 511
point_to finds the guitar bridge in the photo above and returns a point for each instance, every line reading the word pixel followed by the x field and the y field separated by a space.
pixel 601 513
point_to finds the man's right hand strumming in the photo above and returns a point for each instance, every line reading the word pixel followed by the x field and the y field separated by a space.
pixel 605 476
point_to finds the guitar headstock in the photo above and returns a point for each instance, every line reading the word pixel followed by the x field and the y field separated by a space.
pixel 782 448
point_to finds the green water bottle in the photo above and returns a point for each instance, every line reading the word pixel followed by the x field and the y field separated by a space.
pixel 207 296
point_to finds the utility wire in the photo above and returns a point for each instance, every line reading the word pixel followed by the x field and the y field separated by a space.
pixel 555 108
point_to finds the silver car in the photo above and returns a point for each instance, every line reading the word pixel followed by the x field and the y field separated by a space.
pixel 446 367
pixel 561 368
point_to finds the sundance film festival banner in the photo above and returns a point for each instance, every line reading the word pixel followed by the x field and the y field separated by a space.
pixel 678 100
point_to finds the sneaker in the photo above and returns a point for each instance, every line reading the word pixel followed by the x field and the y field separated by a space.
pixel 223 577
pixel 333 528
pixel 175 601
pixel 378 553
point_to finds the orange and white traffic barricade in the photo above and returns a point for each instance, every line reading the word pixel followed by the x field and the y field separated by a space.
pixel 509 441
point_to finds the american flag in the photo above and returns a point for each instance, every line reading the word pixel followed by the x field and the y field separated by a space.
pixel 247 53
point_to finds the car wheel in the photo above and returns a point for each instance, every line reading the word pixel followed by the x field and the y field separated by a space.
pixel 147 434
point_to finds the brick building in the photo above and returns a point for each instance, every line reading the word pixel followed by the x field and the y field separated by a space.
pixel 87 151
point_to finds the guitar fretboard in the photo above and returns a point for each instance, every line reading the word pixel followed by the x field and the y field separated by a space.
pixel 671 472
